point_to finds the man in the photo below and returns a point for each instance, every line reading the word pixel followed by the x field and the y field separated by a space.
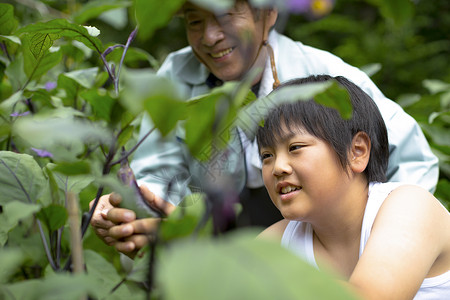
pixel 227 47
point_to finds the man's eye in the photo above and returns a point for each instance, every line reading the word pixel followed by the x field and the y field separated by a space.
pixel 193 23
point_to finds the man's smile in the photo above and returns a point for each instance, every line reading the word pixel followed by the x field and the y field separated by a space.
pixel 222 53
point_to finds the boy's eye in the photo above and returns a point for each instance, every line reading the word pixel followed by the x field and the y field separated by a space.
pixel 264 156
pixel 294 147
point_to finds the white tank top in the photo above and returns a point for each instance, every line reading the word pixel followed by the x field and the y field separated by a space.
pixel 298 237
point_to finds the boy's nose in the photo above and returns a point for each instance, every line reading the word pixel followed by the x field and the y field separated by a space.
pixel 281 167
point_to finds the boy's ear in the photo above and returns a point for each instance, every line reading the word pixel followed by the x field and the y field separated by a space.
pixel 360 152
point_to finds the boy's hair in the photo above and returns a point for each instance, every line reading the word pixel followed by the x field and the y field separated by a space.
pixel 327 124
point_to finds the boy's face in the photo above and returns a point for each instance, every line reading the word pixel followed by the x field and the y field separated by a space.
pixel 228 43
pixel 303 175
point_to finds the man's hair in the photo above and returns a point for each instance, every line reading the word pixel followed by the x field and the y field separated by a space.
pixel 327 124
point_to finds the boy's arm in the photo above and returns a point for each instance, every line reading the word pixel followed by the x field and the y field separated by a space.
pixel 411 230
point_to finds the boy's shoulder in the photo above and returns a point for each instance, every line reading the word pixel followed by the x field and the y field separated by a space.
pixel 275 231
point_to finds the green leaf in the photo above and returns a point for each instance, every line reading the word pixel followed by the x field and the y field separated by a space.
pixel 11 38
pixel 13 212
pixel 101 103
pixel 338 98
pixel 12 104
pixel 103 274
pixel 399 11
pixel 21 178
pixel 53 216
pixel 40 43
pixel 185 219
pixel 55 287
pixel 73 168
pixel 74 182
pixel 84 77
pixel 10 260
pixel 439 135
pixel 162 102
pixel 436 86
pixel 251 116
pixel 200 125
pixel 7 21
pixel 93 9
pixel 15 72
pixel 151 15
pixel 58 135
pixel 36 66
pixel 240 267
pixel 62 28
pixel 165 112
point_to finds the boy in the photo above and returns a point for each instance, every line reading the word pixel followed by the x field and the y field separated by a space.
pixel 325 174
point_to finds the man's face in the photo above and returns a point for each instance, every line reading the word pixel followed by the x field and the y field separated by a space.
pixel 227 43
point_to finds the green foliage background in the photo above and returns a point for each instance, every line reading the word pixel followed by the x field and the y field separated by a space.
pixel 55 95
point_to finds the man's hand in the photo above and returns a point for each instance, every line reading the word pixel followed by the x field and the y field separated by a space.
pixel 100 221
pixel 119 227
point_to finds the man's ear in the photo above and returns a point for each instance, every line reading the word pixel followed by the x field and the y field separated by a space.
pixel 360 152
pixel 271 17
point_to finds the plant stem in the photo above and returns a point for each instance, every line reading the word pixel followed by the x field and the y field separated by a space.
pixel 75 234
pixel 127 154
pixel 127 45
pixel 47 250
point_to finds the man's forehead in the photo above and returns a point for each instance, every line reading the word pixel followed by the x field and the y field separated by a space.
pixel 192 7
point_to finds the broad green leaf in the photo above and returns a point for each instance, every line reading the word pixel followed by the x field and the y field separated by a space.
pixel 102 273
pixel 93 9
pixel 101 103
pixel 38 63
pixel 165 112
pixel 13 212
pixel 56 134
pixel 7 21
pixel 338 98
pixel 53 216
pixel 73 168
pixel 74 182
pixel 399 11
pixel 240 267
pixel 63 28
pixel 21 178
pixel 439 135
pixel 10 260
pixel 185 219
pixel 15 74
pixel 200 125
pixel 40 43
pixel 371 69
pixel 139 266
pixel 211 117
pixel 71 88
pixel 11 38
pixel 162 102
pixel 12 104
pixel 251 116
pixel 84 77
pixel 55 287
pixel 151 15
pixel 436 86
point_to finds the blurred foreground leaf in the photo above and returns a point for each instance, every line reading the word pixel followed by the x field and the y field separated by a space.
pixel 240 267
